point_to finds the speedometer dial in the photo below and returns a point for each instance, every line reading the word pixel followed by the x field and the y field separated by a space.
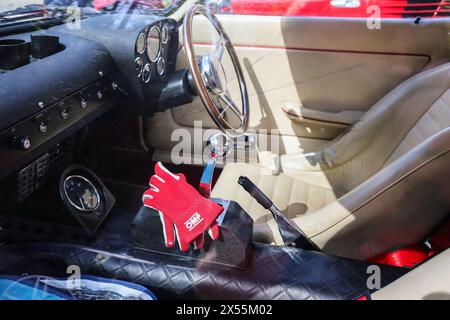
pixel 153 44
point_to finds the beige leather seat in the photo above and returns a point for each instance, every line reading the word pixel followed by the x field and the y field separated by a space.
pixel 382 184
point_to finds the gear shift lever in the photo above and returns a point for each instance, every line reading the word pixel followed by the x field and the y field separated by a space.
pixel 218 146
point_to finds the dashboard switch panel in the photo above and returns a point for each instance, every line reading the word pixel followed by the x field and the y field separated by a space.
pixel 26 140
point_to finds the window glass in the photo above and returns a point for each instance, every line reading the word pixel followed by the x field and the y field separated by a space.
pixel 336 8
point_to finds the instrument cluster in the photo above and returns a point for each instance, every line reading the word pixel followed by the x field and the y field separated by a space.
pixel 155 51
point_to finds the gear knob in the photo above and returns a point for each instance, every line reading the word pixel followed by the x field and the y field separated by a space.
pixel 218 145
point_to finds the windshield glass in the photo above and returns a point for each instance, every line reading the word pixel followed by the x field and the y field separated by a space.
pixel 131 6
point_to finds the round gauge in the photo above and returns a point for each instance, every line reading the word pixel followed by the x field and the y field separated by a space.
pixel 138 64
pixel 140 43
pixel 146 73
pixel 160 66
pixel 81 193
pixel 165 34
pixel 153 43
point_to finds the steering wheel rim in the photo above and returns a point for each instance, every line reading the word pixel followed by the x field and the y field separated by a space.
pixel 200 77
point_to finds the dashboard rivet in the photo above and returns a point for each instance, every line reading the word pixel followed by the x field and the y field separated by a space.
pixel 64 114
pixel 41 105
pixel 114 86
pixel 21 143
pixel 26 143
pixel 99 94
pixel 83 103
pixel 43 127
pixel 100 73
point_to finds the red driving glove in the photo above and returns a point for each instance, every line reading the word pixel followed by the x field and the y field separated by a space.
pixel 181 209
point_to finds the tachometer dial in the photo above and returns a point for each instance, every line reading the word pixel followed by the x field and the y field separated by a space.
pixel 153 44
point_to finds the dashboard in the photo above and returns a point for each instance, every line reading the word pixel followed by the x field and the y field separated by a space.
pixel 112 61
pixel 156 49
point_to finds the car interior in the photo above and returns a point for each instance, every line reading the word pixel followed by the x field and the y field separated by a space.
pixel 316 129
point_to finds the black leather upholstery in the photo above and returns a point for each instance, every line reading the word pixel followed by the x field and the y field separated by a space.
pixel 273 272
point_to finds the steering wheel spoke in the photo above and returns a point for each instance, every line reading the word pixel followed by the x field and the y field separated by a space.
pixel 225 98
pixel 217 52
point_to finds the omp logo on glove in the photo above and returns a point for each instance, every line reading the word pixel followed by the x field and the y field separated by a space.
pixel 193 221
pixel 184 212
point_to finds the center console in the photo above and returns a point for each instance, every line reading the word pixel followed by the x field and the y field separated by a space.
pixel 232 249
pixel 235 267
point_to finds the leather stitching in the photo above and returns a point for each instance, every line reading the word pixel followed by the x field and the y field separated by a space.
pixel 352 211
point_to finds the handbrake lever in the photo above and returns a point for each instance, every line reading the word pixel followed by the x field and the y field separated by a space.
pixel 290 232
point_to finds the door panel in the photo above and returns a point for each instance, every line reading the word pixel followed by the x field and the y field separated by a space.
pixel 323 81
pixel 329 71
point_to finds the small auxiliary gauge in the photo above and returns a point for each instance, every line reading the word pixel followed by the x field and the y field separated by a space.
pixel 146 73
pixel 139 65
pixel 85 197
pixel 81 193
pixel 165 34
pixel 161 66
pixel 140 43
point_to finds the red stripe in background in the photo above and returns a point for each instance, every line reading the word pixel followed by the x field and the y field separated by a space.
pixel 414 255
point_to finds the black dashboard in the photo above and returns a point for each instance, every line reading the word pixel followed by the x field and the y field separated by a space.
pixel 95 69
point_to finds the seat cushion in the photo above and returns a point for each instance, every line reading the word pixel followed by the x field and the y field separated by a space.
pixel 294 196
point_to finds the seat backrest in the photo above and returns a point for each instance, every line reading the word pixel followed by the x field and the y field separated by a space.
pixel 408 115
pixel 389 172
pixel 434 120
pixel 396 207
